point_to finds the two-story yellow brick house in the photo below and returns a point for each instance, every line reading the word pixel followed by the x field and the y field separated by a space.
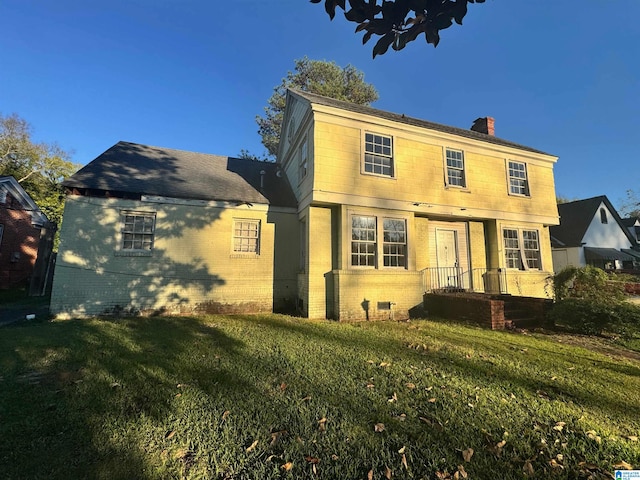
pixel 391 206
pixel 362 213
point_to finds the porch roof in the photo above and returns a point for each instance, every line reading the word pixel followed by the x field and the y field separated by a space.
pixel 593 253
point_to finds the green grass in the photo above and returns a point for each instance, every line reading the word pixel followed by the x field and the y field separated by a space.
pixel 248 397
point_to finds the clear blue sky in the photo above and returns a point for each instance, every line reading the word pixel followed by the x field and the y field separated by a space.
pixel 558 75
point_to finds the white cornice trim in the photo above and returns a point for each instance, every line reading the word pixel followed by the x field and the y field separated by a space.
pixel 431 209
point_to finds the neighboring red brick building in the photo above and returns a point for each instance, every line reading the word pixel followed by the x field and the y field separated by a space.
pixel 21 226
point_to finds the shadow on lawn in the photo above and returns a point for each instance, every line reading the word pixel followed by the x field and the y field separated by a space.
pixel 87 382
pixel 72 386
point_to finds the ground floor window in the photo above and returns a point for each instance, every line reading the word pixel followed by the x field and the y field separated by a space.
pixel 246 236
pixel 366 248
pixel 138 231
pixel 521 249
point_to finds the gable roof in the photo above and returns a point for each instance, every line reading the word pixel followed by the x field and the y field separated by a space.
pixel 401 118
pixel 631 222
pixel 575 218
pixel 141 169
pixel 10 185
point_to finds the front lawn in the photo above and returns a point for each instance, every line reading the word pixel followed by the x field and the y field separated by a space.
pixel 261 397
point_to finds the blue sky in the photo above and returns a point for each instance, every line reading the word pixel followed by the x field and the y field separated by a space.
pixel 560 76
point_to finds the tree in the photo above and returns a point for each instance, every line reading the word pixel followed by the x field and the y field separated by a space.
pixel 398 22
pixel 631 207
pixel 315 76
pixel 38 167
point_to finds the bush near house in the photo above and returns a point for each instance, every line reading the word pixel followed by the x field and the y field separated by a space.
pixel 588 302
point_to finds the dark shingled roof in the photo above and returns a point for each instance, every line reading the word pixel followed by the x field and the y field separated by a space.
pixel 353 107
pixel 141 169
pixel 575 218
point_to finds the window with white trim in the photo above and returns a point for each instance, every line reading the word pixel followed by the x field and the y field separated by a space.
pixel 394 246
pixel 246 236
pixel 378 154
pixel 365 247
pixel 455 168
pixel 302 165
pixel 518 180
pixel 522 249
pixel 138 231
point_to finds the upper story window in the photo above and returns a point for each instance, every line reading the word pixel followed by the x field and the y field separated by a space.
pixel 365 245
pixel 521 249
pixel 455 168
pixel 246 236
pixel 603 216
pixel 518 181
pixel 138 231
pixel 378 154
pixel 302 165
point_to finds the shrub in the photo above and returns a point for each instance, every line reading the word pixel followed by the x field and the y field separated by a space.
pixel 588 302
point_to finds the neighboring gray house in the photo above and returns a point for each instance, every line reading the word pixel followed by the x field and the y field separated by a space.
pixel 633 225
pixel 592 233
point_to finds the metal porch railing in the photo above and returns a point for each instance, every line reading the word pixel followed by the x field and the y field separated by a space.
pixel 455 279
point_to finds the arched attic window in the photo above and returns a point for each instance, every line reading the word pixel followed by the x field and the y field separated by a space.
pixel 603 216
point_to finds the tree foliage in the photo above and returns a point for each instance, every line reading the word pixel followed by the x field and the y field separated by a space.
pixel 398 22
pixel 38 167
pixel 631 207
pixel 315 76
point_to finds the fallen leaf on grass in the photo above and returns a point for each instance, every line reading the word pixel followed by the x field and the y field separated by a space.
pixel 411 386
pixel 252 446
pixel 378 427
pixel 555 464
pixel 527 469
pixel 178 395
pixel 543 394
pixel 633 438
pixel 467 454
pixel 306 399
pixel 559 426
pixel 225 415
pixel 275 436
pixel 370 475
pixel 370 385
pixel 394 398
pixel 115 385
pixel 461 473
pixel 432 400
pixel 170 435
pixel 313 460
pixel 594 436
pixel 622 465
pixel 287 466
pixel 322 424
pixel 384 364
pixel 388 473
pixel 283 387
pixel 432 422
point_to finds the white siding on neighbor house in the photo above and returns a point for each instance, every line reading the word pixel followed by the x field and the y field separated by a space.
pixel 563 257
pixel 605 235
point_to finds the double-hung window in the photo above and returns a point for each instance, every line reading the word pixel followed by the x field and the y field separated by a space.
pixel 366 247
pixel 138 231
pixel 521 249
pixel 378 154
pixel 246 236
pixel 518 180
pixel 455 168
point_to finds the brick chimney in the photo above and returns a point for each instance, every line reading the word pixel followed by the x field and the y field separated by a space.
pixel 484 125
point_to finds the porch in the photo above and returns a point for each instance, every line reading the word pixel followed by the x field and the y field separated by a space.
pixel 457 279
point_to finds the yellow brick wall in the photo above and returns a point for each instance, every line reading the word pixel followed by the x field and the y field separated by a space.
pixel 359 292
pixel 420 171
pixel 319 257
pixel 192 265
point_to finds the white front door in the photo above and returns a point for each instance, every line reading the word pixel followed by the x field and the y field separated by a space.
pixel 448 260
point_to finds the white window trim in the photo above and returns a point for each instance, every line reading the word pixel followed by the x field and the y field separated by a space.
pixel 135 252
pixel 379 241
pixel 527 182
pixel 237 253
pixel 521 249
pixel 463 169
pixel 364 154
